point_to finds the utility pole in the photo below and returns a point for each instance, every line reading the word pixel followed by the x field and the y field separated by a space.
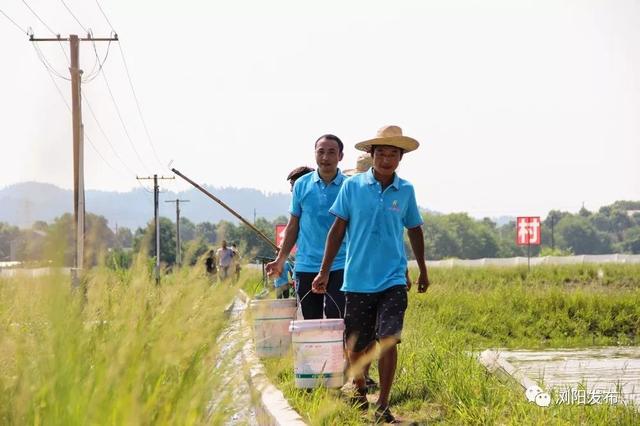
pixel 156 218
pixel 78 142
pixel 553 243
pixel 178 247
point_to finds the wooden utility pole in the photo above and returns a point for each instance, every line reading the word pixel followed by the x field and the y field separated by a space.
pixel 78 157
pixel 156 218
pixel 178 246
pixel 78 142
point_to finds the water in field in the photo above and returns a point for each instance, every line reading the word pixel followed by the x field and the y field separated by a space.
pixel 580 375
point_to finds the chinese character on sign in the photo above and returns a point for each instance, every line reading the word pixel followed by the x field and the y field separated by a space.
pixel 528 230
pixel 280 237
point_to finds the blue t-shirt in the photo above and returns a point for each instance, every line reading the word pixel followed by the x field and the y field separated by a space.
pixel 376 259
pixel 284 276
pixel 310 203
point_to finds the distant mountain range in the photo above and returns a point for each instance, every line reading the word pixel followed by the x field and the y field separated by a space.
pixel 24 203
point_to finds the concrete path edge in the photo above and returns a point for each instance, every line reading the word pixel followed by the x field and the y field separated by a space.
pixel 272 407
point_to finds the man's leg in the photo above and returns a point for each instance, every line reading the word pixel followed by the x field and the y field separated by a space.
pixel 334 302
pixel 360 320
pixel 387 368
pixel 390 308
pixel 310 303
pixel 358 362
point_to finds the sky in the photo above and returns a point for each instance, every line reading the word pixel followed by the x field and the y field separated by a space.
pixel 520 107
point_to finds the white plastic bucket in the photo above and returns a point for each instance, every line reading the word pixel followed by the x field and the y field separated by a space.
pixel 318 352
pixel 271 320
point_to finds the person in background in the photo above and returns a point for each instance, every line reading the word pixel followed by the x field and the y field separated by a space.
pixel 297 173
pixel 225 258
pixel 284 282
pixel 210 266
pixel 236 261
pixel 363 163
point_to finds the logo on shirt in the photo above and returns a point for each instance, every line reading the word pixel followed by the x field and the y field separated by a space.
pixel 394 206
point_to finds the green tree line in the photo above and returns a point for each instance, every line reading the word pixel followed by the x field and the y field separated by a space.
pixel 612 229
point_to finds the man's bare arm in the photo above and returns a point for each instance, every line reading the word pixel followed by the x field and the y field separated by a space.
pixel 332 246
pixel 274 268
pixel 416 238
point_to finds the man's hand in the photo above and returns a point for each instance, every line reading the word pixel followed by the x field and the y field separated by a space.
pixel 274 269
pixel 320 283
pixel 408 279
pixel 423 283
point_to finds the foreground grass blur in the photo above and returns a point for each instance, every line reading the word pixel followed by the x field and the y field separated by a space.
pixel 126 352
pixel 469 310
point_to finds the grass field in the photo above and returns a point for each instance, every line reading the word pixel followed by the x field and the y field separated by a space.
pixel 468 310
pixel 128 353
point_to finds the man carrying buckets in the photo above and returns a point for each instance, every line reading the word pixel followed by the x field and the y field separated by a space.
pixel 309 223
pixel 372 210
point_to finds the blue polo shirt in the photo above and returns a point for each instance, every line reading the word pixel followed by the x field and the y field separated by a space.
pixel 376 259
pixel 284 276
pixel 310 202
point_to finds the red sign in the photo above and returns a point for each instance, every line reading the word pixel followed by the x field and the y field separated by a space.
pixel 528 230
pixel 280 236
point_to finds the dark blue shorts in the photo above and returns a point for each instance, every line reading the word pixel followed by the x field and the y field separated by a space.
pixel 373 316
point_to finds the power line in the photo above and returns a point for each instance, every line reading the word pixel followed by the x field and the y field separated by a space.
pixel 113 149
pixel 115 104
pixel 64 100
pixel 48 27
pixel 39 18
pixel 51 76
pixel 46 63
pixel 105 16
pixel 144 123
pixel 69 108
pixel 74 16
pixel 133 91
pixel 14 23
pixel 93 74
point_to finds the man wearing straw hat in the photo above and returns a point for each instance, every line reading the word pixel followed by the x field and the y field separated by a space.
pixel 363 163
pixel 308 225
pixel 372 210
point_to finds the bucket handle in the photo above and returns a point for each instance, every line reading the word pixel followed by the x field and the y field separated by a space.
pixel 330 297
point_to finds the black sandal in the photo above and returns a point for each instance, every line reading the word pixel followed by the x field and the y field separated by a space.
pixel 370 383
pixel 383 415
pixel 359 399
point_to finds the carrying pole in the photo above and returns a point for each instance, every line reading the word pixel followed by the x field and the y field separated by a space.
pixel 229 209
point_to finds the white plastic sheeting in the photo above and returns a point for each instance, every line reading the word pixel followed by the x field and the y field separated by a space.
pixel 522 261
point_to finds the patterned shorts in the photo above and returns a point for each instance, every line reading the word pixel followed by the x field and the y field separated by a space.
pixel 373 316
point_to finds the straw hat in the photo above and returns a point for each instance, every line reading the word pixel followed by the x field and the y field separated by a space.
pixel 363 163
pixel 392 136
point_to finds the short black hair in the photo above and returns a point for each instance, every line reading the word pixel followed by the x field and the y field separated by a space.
pixel 332 138
pixel 298 172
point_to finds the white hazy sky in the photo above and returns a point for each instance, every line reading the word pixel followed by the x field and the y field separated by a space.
pixel 520 106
